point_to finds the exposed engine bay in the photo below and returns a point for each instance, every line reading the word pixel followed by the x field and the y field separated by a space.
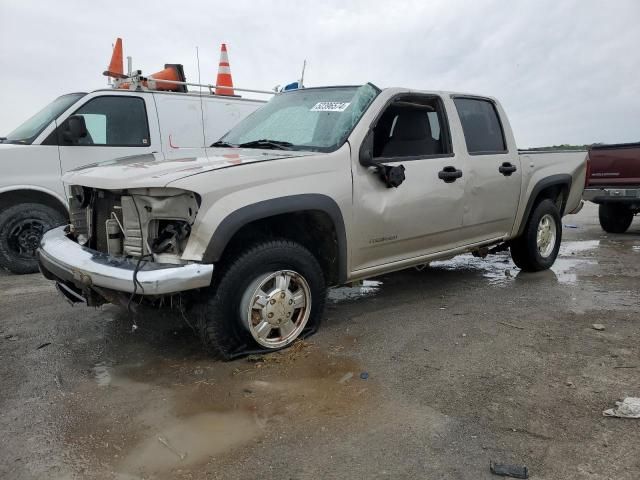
pixel 154 223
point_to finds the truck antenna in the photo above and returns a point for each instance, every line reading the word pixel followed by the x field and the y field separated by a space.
pixel 304 65
pixel 200 91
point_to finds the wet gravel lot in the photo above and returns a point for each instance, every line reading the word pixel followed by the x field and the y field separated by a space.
pixel 417 374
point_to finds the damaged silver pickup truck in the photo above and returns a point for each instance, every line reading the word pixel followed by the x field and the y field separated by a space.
pixel 320 187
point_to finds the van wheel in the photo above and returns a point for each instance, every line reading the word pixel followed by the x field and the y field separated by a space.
pixel 614 218
pixel 21 228
pixel 262 300
pixel 537 248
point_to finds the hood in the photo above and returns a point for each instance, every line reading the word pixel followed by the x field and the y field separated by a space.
pixel 152 170
pixel 5 147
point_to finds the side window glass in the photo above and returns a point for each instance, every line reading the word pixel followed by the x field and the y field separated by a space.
pixel 481 126
pixel 411 128
pixel 434 122
pixel 97 129
pixel 115 122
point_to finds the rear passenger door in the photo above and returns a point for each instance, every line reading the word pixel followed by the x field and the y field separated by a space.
pixel 493 173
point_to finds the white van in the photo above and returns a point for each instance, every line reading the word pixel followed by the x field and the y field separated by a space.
pixel 83 128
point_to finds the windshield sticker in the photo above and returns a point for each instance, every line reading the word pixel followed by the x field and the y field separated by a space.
pixel 330 106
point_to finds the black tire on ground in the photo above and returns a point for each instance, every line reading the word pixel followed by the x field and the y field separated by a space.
pixel 614 218
pixel 219 319
pixel 21 227
pixel 524 249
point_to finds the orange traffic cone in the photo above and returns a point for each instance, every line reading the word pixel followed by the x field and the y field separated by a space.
pixel 224 74
pixel 116 67
pixel 172 71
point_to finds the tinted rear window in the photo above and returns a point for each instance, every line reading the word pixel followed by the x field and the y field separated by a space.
pixel 481 125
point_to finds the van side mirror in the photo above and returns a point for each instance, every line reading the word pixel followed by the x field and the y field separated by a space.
pixel 366 151
pixel 73 129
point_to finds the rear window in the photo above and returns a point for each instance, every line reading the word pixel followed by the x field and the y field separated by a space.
pixel 481 126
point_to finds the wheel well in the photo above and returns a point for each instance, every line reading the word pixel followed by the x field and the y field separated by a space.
pixel 15 197
pixel 557 193
pixel 554 188
pixel 313 229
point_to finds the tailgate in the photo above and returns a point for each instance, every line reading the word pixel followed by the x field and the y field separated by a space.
pixel 614 165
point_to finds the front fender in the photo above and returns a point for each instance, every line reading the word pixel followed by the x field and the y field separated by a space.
pixel 277 206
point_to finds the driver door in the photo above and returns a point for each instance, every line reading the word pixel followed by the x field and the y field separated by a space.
pixel 424 214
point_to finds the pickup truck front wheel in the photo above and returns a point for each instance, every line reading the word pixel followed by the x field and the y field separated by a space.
pixel 615 218
pixel 537 248
pixel 263 300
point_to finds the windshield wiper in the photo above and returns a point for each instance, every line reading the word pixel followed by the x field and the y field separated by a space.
pixel 220 143
pixel 266 143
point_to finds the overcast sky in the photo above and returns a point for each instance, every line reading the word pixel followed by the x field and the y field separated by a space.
pixel 565 71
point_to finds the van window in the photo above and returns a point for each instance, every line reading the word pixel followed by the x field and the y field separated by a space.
pixel 115 121
pixel 411 127
pixel 481 126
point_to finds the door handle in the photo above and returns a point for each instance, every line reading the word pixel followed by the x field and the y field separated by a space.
pixel 449 174
pixel 507 169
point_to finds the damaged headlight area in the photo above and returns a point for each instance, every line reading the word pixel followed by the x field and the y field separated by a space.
pixel 151 222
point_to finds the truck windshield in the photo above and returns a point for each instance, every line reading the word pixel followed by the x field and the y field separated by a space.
pixel 29 130
pixel 316 119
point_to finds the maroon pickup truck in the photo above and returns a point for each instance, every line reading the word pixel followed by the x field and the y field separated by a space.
pixel 613 182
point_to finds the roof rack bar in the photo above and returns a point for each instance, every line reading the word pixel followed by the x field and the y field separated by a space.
pixel 210 87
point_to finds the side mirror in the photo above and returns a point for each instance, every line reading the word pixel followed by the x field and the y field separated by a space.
pixel 391 175
pixel 366 151
pixel 73 129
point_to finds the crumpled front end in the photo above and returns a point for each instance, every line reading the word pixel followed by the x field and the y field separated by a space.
pixel 124 243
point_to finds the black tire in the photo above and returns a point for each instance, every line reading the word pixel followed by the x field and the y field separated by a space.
pixel 21 228
pixel 219 319
pixel 524 249
pixel 615 218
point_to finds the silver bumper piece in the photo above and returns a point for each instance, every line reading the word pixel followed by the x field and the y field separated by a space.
pixel 65 260
pixel 591 194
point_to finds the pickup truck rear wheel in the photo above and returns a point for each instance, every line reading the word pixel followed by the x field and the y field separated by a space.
pixel 21 228
pixel 537 248
pixel 263 300
pixel 615 218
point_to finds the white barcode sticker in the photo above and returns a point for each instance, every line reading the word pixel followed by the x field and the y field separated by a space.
pixel 330 106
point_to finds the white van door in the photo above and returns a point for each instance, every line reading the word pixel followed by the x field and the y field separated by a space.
pixel 180 119
pixel 117 126
pixel 221 115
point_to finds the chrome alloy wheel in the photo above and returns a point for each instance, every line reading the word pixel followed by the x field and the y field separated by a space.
pixel 546 236
pixel 276 308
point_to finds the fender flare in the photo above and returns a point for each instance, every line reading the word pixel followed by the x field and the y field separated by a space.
pixel 561 179
pixel 277 206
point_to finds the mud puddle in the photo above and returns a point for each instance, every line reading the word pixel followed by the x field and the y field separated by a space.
pixel 184 442
pixel 165 418
pixel 499 269
pixel 368 288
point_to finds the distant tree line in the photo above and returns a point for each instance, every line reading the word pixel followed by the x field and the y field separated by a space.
pixel 566 146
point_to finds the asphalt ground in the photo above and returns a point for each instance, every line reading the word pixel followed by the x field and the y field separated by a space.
pixel 418 374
